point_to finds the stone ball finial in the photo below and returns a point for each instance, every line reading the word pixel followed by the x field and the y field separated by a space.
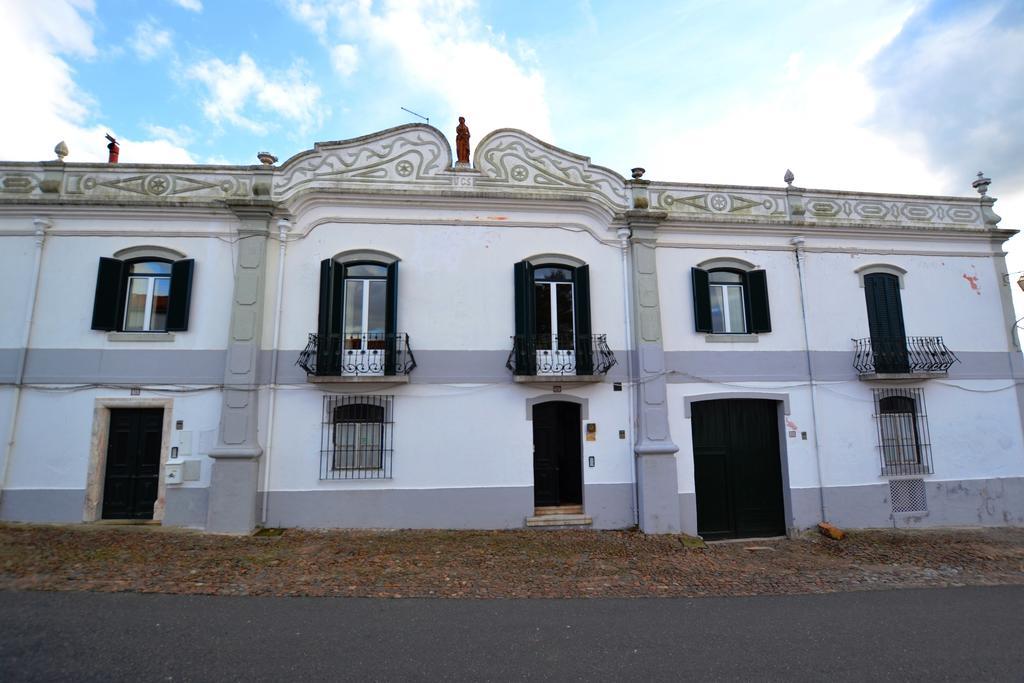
pixel 638 172
pixel 789 178
pixel 61 150
pixel 981 184
pixel 266 158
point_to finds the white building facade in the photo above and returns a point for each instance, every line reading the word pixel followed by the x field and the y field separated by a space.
pixel 370 336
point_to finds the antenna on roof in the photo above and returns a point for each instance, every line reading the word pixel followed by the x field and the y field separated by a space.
pixel 415 114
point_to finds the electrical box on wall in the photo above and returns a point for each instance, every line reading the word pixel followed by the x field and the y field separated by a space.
pixel 172 474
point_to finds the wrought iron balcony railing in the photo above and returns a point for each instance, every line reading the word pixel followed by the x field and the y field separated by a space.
pixel 357 355
pixel 902 355
pixel 552 354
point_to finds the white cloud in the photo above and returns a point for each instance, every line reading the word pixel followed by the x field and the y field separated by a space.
pixel 50 105
pixel 232 87
pixel 181 136
pixel 191 5
pixel 442 49
pixel 149 40
pixel 345 59
pixel 813 118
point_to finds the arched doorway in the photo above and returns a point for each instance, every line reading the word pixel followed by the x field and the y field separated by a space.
pixel 737 469
pixel 557 455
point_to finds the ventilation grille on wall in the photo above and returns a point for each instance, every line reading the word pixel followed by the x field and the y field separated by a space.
pixel 907 495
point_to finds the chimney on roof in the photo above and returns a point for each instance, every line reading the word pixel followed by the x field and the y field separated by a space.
pixel 115 150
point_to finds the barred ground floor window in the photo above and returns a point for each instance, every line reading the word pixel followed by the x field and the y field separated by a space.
pixel 903 439
pixel 357 437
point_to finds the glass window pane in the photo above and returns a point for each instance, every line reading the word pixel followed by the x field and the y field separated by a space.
pixel 378 307
pixel 724 277
pixel 552 274
pixel 366 270
pixel 737 314
pixel 135 314
pixel 542 299
pixel 564 313
pixel 353 328
pixel 717 309
pixel 161 297
pixel 151 268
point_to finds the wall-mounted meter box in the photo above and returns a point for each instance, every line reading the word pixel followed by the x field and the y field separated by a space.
pixel 172 474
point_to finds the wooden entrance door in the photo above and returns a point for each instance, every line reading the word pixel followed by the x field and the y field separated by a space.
pixel 133 463
pixel 737 469
pixel 557 454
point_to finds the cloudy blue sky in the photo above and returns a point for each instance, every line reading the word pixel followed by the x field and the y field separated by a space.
pixel 882 95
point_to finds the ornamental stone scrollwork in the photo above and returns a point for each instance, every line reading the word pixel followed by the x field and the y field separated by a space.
pixel 412 153
pixel 514 159
pixel 18 183
pixel 677 200
pixel 157 185
pixel 893 210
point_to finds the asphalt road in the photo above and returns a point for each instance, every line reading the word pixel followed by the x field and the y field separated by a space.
pixel 936 634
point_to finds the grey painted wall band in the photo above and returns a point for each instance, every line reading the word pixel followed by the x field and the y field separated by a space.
pixel 202 366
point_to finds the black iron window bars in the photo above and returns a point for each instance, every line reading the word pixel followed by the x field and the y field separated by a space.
pixel 357 440
pixel 903 439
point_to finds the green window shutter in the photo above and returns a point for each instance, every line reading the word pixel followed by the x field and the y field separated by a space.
pixel 885 323
pixel 328 341
pixel 758 312
pixel 108 304
pixel 584 340
pixel 526 323
pixel 391 321
pixel 180 295
pixel 701 300
pixel 885 309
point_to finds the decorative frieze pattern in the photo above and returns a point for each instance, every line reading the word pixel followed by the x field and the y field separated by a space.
pixel 513 158
pixel 157 184
pixel 418 158
pixel 401 155
pixel 727 204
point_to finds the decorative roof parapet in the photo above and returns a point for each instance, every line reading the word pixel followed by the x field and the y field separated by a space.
pixel 414 153
pixel 146 183
pixel 510 159
pixel 735 204
pixel 417 158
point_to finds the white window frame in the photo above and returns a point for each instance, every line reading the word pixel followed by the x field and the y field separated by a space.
pixel 567 357
pixel 148 314
pixel 726 311
pixel 364 456
pixel 364 353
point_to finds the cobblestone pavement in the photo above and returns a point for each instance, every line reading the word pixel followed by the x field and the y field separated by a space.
pixel 496 564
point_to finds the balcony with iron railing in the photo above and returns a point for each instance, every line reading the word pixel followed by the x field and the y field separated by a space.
pixel 365 357
pixel 901 357
pixel 552 357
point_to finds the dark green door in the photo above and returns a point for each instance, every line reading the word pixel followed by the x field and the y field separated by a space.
pixel 885 323
pixel 133 463
pixel 737 469
pixel 557 454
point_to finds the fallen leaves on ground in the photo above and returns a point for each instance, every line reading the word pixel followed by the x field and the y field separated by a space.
pixel 495 564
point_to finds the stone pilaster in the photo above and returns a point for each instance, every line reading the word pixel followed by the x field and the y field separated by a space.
pixel 657 481
pixel 235 478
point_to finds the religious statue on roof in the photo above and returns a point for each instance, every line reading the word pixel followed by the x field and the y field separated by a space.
pixel 462 142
